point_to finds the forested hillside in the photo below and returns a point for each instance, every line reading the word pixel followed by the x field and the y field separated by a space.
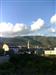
pixel 34 40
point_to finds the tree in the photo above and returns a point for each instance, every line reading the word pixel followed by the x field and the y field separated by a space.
pixel 1 51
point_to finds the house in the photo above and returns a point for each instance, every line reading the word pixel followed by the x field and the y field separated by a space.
pixel 14 49
pixel 50 52
pixel 5 47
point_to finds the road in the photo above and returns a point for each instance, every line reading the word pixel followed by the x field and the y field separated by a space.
pixel 4 59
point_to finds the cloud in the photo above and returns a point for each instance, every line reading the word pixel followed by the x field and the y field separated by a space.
pixel 10 30
pixel 5 27
pixel 53 19
pixel 37 24
pixel 8 27
pixel 52 30
pixel 19 29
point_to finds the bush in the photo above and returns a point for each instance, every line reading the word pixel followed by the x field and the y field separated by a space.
pixel 29 65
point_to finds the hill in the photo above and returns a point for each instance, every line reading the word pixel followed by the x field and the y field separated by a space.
pixel 34 41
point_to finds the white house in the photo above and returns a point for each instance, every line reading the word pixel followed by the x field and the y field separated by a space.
pixel 50 52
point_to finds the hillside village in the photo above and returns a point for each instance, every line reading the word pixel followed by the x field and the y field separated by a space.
pixel 8 49
pixel 40 45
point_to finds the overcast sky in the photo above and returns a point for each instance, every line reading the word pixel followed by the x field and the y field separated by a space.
pixel 27 17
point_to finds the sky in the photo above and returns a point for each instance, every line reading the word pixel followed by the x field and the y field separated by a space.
pixel 27 17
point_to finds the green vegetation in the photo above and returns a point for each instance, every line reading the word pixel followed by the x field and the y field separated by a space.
pixel 29 65
pixel 1 51
pixel 34 41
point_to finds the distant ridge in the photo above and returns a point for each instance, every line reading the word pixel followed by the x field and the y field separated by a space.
pixel 34 41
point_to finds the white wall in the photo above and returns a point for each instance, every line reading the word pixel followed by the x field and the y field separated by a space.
pixel 50 52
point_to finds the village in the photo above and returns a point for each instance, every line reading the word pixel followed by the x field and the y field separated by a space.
pixel 7 50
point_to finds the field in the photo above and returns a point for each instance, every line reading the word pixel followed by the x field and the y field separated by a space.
pixel 29 65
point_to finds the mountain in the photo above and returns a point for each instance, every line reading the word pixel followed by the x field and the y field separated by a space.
pixel 34 41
